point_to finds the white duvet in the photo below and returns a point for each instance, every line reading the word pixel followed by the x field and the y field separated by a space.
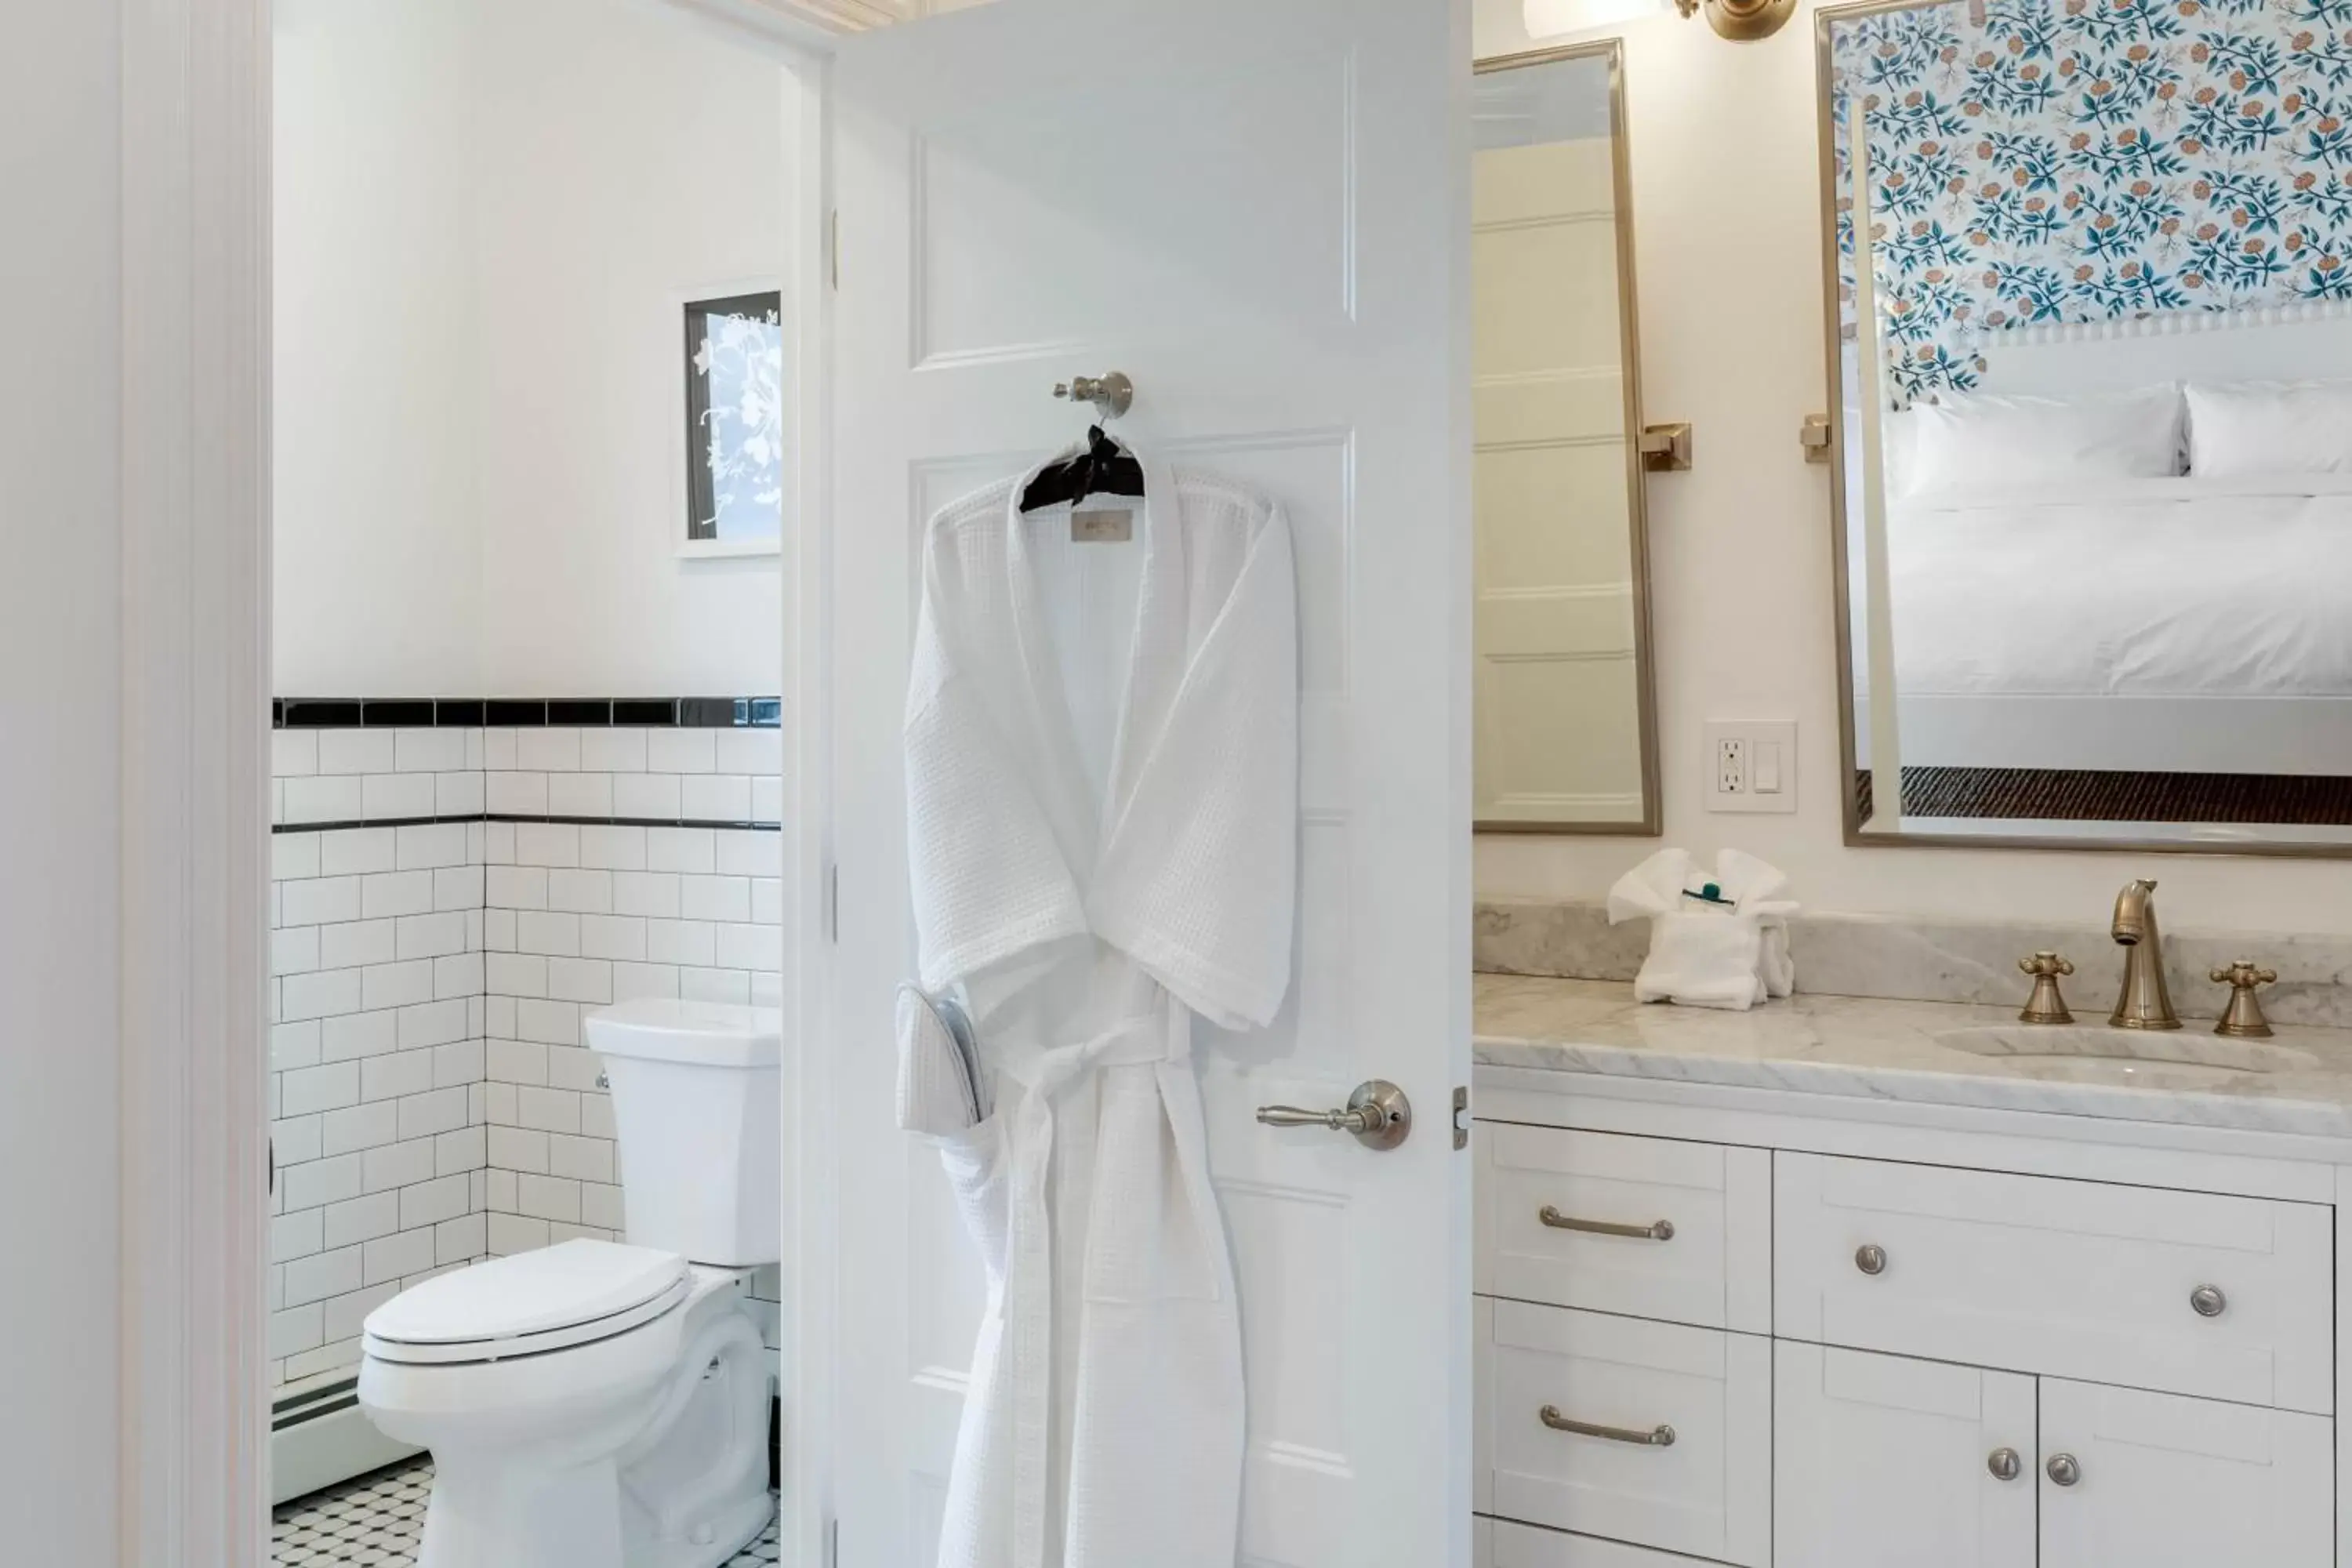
pixel 2160 587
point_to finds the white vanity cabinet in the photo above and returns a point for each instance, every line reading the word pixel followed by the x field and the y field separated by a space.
pixel 1958 1349
pixel 2196 1293
pixel 1893 1459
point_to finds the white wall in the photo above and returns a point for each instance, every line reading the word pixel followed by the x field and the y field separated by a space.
pixel 1725 199
pixel 61 406
pixel 641 160
pixel 490 214
pixel 377 128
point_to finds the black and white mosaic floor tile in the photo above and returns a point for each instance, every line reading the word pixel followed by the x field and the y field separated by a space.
pixel 378 1518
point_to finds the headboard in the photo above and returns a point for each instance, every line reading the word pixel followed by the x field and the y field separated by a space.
pixel 2307 341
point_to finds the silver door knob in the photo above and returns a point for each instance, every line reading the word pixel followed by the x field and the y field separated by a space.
pixel 1870 1257
pixel 2064 1470
pixel 2004 1464
pixel 2208 1302
pixel 1378 1113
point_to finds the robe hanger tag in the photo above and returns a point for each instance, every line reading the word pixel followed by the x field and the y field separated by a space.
pixel 1092 523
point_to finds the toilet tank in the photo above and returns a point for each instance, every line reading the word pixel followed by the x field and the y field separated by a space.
pixel 695 1103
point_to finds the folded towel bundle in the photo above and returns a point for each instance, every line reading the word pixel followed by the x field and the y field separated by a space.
pixel 941 1092
pixel 1718 940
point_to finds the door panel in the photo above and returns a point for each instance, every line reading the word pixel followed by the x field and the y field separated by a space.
pixel 1883 1461
pixel 1559 687
pixel 2165 1480
pixel 1036 190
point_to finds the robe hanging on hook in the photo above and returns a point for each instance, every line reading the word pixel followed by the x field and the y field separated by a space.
pixel 1112 394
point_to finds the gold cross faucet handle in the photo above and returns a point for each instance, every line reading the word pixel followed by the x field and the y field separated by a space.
pixel 2244 1016
pixel 2046 1006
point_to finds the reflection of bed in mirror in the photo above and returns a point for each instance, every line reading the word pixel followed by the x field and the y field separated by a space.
pixel 2195 623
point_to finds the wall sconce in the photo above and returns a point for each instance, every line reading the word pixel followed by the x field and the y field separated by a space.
pixel 1739 19
pixel 1742 21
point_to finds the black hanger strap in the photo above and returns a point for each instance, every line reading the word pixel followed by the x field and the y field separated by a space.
pixel 1104 467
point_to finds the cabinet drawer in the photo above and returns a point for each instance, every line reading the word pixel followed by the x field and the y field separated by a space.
pixel 1706 1493
pixel 1500 1543
pixel 2079 1279
pixel 1706 1257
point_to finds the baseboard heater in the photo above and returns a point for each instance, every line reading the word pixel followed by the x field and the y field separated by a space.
pixel 320 1436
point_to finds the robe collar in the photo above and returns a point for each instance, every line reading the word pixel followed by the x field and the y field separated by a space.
pixel 1157 653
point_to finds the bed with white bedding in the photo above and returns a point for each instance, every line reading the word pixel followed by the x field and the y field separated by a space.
pixel 2183 624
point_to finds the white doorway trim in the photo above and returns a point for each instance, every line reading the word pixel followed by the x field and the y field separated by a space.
pixel 192 1417
pixel 195 718
pixel 806 1511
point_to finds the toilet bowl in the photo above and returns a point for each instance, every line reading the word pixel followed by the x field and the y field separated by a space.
pixel 604 1405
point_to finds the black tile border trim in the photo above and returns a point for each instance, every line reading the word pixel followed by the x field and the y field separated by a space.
pixel 346 825
pixel 526 712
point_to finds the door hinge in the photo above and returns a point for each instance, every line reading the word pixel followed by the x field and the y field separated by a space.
pixel 832 246
pixel 1462 1116
pixel 832 902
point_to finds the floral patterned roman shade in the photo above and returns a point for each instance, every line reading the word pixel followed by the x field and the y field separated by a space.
pixel 2069 161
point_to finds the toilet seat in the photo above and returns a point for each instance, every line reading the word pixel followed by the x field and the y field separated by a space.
pixel 557 1297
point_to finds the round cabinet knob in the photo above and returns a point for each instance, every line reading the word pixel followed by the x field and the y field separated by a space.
pixel 2003 1464
pixel 2208 1302
pixel 1870 1257
pixel 2064 1470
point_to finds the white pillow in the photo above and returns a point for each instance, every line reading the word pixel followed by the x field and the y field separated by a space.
pixel 1898 448
pixel 1981 440
pixel 2270 428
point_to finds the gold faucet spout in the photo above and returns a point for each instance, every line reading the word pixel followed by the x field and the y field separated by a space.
pixel 2145 1002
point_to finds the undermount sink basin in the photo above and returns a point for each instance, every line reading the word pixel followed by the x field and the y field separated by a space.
pixel 2088 1051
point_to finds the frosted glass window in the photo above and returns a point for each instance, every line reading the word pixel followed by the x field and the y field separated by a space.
pixel 735 418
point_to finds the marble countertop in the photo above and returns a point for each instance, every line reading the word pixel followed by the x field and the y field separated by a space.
pixel 1934 1053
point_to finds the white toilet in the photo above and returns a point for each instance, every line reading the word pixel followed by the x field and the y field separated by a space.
pixel 599 1405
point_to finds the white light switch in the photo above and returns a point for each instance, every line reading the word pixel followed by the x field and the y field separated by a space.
pixel 1751 766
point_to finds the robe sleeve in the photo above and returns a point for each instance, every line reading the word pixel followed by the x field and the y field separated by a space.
pixel 1200 885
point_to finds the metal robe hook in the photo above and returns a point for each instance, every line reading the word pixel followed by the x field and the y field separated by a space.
pixel 1112 394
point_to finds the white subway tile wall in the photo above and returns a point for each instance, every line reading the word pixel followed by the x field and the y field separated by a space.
pixel 431 1097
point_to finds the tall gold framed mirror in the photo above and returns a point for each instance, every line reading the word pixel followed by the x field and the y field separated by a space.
pixel 2090 296
pixel 1565 711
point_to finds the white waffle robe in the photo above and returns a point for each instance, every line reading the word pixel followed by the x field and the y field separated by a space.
pixel 1102 745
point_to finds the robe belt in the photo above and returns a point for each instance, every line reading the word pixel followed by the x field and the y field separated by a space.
pixel 1147 1039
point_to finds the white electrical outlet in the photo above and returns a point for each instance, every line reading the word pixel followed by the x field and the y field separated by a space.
pixel 1751 766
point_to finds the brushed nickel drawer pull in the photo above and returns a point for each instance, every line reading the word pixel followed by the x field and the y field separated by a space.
pixel 1659 1437
pixel 2207 1302
pixel 1870 1257
pixel 1662 1230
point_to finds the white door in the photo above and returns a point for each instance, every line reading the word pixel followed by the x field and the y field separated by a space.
pixel 1558 694
pixel 2155 1480
pixel 1259 213
pixel 1882 1461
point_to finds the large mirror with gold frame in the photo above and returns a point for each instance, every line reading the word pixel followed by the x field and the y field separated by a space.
pixel 1566 732
pixel 2090 272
